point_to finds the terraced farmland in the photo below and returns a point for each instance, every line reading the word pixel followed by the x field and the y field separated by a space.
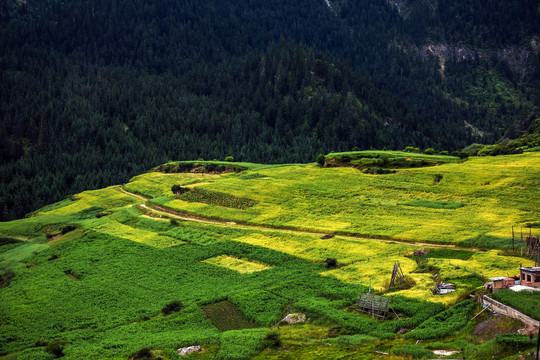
pixel 91 274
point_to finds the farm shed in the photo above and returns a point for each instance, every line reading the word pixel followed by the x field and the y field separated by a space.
pixel 530 276
pixel 502 282
pixel 444 288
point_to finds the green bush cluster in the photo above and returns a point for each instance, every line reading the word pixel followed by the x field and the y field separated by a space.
pixel 216 198
pixel 331 263
pixel 321 159
pixel 144 354
pixel 68 228
pixel 199 167
pixel 179 189
pixel 412 149
pixel 6 277
pixel 272 339
pixel 56 348
pixel 378 162
pixel 446 323
pixel 377 171
pixel 501 148
pixel 172 307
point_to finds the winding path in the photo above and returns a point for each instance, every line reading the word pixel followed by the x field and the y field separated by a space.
pixel 156 209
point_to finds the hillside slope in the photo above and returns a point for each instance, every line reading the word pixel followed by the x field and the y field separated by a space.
pixel 95 92
pixel 105 274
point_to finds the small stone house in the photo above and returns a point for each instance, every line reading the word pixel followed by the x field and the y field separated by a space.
pixel 502 282
pixel 530 276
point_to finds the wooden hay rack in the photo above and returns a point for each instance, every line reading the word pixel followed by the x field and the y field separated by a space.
pixel 397 276
pixel 373 305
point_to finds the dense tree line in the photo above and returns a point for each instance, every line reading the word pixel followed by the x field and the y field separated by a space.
pixel 479 23
pixel 93 92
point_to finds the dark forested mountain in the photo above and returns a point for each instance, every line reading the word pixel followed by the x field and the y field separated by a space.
pixel 95 91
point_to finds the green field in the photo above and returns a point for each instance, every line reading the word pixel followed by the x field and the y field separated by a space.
pixel 91 274
pixel 474 204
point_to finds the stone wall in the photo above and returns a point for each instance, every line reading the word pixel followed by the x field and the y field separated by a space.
pixel 500 308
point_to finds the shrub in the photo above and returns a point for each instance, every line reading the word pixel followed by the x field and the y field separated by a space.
pixel 429 151
pixel 41 342
pixel 177 189
pixel 185 167
pixel 68 228
pixel 412 149
pixel 56 348
pixel 321 159
pixel 437 178
pixel 490 150
pixel 460 154
pixel 5 241
pixel 172 307
pixel 229 159
pixel 378 171
pixel 6 277
pixel 473 149
pixel 331 263
pixel 143 353
pixel 272 339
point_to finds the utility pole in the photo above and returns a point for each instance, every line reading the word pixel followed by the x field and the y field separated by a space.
pixel 538 344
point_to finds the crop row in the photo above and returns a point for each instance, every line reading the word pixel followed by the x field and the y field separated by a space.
pixel 216 198
pixel 524 301
pixel 444 324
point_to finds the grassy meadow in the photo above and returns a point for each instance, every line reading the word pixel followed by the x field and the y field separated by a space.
pixel 471 203
pixel 92 274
